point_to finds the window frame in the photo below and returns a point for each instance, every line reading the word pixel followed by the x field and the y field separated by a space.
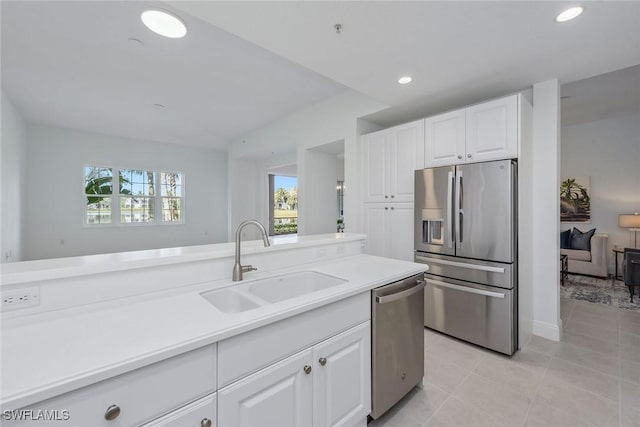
pixel 116 199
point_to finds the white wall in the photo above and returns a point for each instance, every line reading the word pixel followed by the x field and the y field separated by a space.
pixel 545 217
pixel 320 201
pixel 609 152
pixel 332 120
pixel 13 158
pixel 53 217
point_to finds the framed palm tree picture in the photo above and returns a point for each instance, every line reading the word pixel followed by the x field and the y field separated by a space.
pixel 575 200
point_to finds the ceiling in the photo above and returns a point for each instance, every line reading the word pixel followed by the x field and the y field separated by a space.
pixel 245 64
pixel 457 52
pixel 71 64
pixel 601 97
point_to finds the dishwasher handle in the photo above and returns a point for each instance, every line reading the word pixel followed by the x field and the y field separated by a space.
pixel 402 294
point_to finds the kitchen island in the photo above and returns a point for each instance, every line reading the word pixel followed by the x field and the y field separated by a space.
pixel 133 340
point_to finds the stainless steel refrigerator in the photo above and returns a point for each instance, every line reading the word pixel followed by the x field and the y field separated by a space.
pixel 466 231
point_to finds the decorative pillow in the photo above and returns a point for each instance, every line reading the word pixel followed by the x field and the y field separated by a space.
pixel 564 239
pixel 581 241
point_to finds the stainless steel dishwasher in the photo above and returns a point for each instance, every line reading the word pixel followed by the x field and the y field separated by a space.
pixel 397 341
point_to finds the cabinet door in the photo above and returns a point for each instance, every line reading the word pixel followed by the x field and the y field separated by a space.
pixel 406 146
pixel 342 378
pixel 401 229
pixel 375 166
pixel 376 228
pixel 278 396
pixel 201 413
pixel 492 130
pixel 444 137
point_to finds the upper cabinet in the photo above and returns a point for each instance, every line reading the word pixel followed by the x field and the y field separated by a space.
pixel 444 139
pixel 389 158
pixel 482 132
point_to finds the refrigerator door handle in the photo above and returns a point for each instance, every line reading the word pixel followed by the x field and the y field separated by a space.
pixel 458 209
pixel 449 221
pixel 465 289
pixel 478 267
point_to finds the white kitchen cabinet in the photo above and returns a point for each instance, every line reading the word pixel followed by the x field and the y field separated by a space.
pixel 389 158
pixel 444 137
pixel 138 396
pixel 278 396
pixel 342 378
pixel 492 130
pixel 482 132
pixel 389 229
pixel 201 413
pixel 328 384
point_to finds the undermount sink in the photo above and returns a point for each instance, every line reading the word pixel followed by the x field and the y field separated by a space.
pixel 230 301
pixel 280 288
pixel 261 292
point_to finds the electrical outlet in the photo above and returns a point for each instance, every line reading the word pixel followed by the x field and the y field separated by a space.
pixel 20 298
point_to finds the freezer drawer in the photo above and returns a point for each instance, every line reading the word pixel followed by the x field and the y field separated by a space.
pixel 470 270
pixel 482 315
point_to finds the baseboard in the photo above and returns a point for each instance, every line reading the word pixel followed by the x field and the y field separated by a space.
pixel 547 330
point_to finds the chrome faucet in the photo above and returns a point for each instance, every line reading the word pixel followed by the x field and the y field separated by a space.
pixel 238 268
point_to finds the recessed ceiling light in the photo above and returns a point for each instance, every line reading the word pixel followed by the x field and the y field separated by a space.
pixel 404 80
pixel 164 23
pixel 569 14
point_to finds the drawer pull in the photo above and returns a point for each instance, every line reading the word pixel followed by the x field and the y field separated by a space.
pixel 323 361
pixel 206 422
pixel 112 412
pixel 307 369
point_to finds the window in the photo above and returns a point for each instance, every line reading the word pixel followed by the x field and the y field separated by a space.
pixel 136 200
pixel 284 204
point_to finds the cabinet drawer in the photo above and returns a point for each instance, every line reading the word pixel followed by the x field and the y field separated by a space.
pixel 201 413
pixel 246 353
pixel 141 395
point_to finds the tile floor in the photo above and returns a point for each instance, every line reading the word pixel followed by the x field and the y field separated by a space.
pixel 590 378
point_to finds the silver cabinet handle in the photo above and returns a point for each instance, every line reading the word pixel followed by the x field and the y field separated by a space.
pixel 112 413
pixel 323 361
pixel 392 208
pixel 466 289
pixel 386 197
pixel 468 156
pixel 392 196
pixel 386 208
pixel 307 369
pixel 460 156
pixel 402 294
pixel 206 422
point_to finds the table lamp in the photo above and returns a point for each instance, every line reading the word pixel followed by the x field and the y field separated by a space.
pixel 632 222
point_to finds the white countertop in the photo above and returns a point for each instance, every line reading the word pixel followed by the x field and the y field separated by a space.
pixel 53 353
pixel 55 268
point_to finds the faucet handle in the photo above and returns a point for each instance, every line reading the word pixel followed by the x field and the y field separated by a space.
pixel 247 268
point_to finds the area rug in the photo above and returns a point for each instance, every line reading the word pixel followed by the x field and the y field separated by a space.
pixel 599 291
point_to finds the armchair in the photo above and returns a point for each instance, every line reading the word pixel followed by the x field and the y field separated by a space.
pixel 631 269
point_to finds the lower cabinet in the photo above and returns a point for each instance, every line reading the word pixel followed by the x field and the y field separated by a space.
pixel 325 385
pixel 201 413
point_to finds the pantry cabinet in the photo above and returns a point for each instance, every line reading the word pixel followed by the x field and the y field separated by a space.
pixel 389 228
pixel 326 385
pixel 482 132
pixel 389 158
